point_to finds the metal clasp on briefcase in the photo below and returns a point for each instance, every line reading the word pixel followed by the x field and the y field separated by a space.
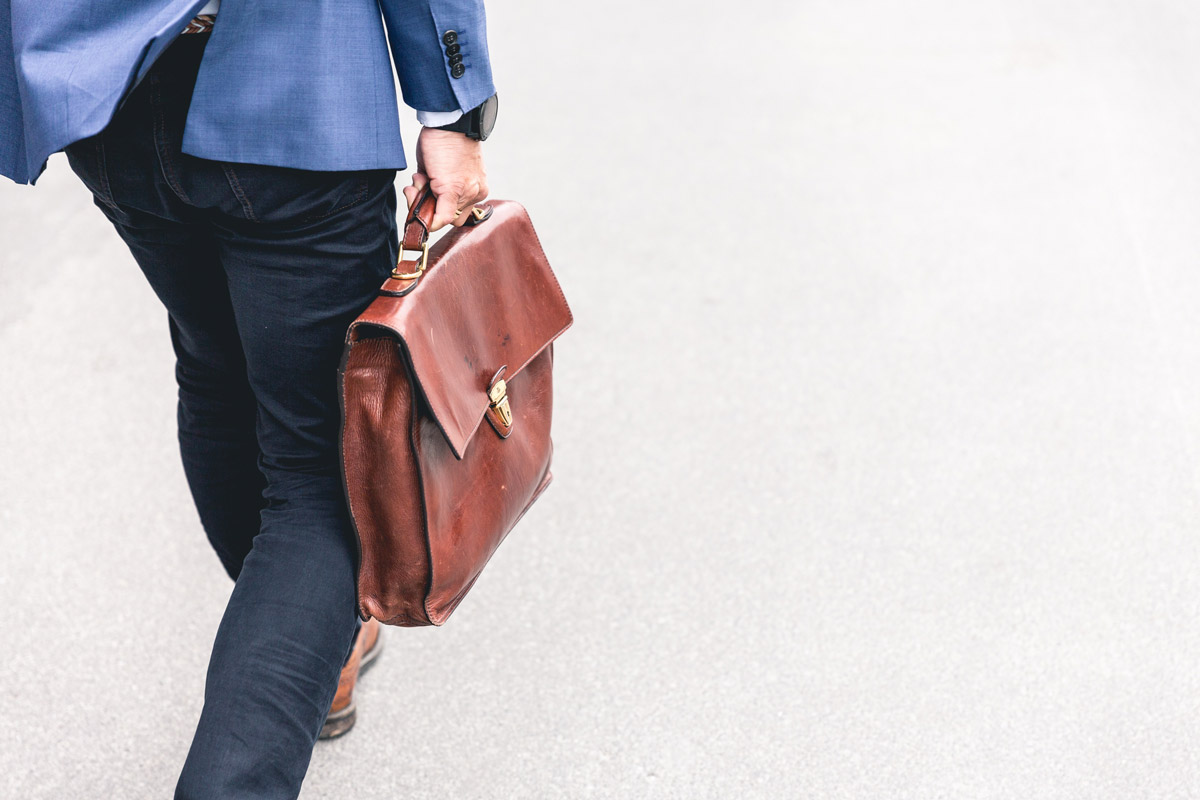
pixel 499 410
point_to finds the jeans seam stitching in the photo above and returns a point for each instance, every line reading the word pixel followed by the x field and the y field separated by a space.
pixel 102 170
pixel 160 135
pixel 239 193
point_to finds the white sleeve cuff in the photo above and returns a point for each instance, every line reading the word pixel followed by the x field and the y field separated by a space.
pixel 434 119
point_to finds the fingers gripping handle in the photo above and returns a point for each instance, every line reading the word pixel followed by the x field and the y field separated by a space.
pixel 420 217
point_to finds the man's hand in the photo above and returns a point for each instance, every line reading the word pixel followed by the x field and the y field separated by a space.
pixel 453 164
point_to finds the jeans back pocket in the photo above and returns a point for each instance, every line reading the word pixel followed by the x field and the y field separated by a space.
pixel 278 194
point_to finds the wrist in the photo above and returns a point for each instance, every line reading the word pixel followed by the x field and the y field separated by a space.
pixel 444 135
pixel 476 123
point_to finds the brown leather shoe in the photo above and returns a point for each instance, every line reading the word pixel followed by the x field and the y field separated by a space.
pixel 342 713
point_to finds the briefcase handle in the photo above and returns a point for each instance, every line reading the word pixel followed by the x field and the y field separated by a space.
pixel 416 233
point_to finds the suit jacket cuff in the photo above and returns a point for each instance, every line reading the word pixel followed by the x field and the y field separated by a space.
pixel 416 31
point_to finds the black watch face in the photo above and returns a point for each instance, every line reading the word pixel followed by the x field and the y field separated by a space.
pixel 487 116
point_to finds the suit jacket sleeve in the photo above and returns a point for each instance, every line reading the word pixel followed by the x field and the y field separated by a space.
pixel 416 33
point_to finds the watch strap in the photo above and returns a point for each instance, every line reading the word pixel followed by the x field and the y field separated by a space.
pixel 468 123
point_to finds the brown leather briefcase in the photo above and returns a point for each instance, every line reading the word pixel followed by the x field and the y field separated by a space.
pixel 460 335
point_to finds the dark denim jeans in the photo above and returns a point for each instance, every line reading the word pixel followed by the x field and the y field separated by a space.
pixel 261 269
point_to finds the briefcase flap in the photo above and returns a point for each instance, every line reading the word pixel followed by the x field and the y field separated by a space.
pixel 486 305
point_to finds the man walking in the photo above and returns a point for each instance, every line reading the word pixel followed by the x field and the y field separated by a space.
pixel 246 153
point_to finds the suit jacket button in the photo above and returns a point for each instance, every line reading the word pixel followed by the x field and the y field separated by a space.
pixel 450 37
pixel 455 60
pixel 457 70
pixel 453 49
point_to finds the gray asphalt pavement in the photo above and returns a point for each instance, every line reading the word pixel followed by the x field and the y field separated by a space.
pixel 877 434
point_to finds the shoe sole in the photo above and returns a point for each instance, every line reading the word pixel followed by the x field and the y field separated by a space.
pixel 339 723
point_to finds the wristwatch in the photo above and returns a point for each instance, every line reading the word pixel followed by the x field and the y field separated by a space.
pixel 478 122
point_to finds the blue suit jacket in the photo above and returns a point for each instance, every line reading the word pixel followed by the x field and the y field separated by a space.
pixel 294 83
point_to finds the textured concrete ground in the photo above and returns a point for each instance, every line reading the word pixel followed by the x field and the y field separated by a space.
pixel 876 447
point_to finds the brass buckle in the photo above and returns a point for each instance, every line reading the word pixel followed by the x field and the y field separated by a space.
pixel 479 213
pixel 411 276
pixel 498 394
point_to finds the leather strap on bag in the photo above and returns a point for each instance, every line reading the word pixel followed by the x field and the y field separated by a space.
pixel 416 237
pixel 420 217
